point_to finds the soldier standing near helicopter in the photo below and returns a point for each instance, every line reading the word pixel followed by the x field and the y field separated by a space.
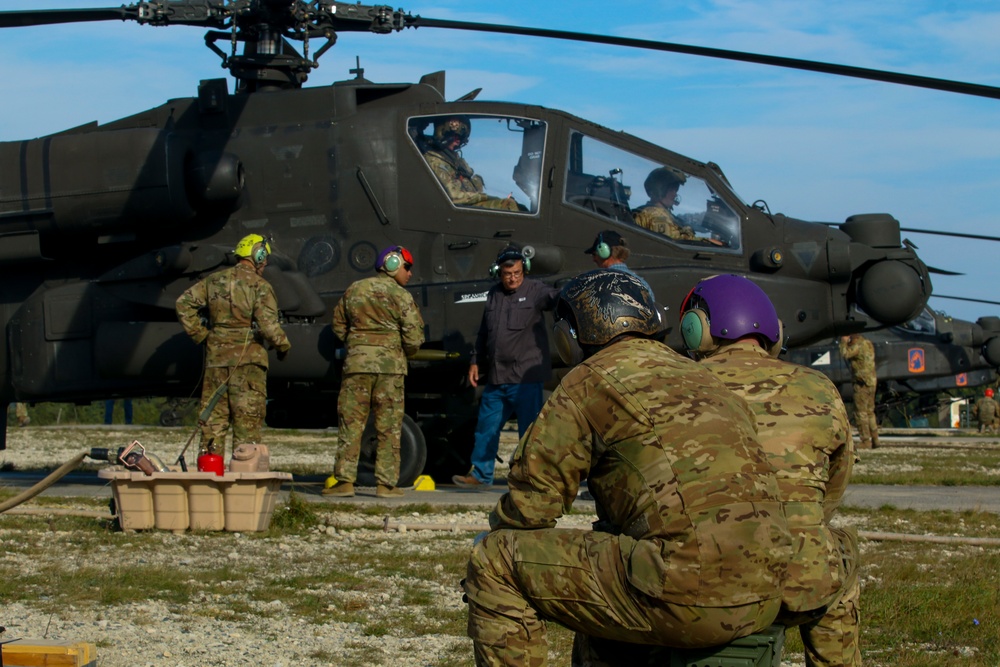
pixel 859 352
pixel 242 316
pixel 381 326
pixel 986 411
pixel 463 185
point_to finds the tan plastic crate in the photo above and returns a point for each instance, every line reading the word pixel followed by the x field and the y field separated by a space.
pixel 48 653
pixel 176 501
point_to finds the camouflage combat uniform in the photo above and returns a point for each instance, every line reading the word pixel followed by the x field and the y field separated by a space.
pixel 657 219
pixel 692 546
pixel 463 185
pixel 380 326
pixel 21 413
pixel 802 425
pixel 242 317
pixel 986 411
pixel 860 354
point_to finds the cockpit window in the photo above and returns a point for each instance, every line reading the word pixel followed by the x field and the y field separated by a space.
pixel 491 162
pixel 612 182
pixel 924 323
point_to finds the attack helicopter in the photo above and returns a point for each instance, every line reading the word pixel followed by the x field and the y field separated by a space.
pixel 107 224
pixel 929 355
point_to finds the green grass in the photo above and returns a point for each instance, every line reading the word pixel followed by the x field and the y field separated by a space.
pixel 923 605
pixel 944 466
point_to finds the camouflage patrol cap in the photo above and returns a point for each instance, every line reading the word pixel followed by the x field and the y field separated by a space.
pixel 605 304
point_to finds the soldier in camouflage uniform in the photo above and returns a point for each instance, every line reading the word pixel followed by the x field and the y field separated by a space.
pixel 692 546
pixel 859 352
pixel 661 186
pixel 21 413
pixel 381 326
pixel 986 411
pixel 463 185
pixel 802 424
pixel 235 314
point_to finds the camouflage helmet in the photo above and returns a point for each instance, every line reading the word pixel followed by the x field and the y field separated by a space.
pixel 253 247
pixel 661 180
pixel 604 304
pixel 450 127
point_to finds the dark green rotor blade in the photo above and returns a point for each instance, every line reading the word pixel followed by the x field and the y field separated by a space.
pixel 965 298
pixel 724 54
pixel 30 17
pixel 959 235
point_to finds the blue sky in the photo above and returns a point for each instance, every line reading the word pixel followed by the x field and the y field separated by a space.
pixel 813 146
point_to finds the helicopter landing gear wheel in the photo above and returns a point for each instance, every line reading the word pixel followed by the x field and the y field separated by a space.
pixel 412 454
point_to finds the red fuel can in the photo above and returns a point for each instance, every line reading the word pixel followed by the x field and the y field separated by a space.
pixel 211 463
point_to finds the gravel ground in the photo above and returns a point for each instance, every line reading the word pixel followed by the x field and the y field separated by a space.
pixel 267 632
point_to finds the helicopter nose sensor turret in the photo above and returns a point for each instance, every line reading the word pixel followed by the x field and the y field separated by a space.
pixel 894 284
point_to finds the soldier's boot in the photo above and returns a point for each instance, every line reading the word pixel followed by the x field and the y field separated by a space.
pixel 340 490
pixel 383 491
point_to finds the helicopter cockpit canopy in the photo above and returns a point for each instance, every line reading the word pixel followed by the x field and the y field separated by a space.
pixel 612 182
pixel 924 323
pixel 491 162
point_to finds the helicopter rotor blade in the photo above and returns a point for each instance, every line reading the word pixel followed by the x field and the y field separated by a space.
pixel 31 17
pixel 964 298
pixel 960 235
pixel 946 85
pixel 944 272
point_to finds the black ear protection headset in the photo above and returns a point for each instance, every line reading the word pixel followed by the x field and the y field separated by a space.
pixel 509 254
pixel 393 261
pixel 602 249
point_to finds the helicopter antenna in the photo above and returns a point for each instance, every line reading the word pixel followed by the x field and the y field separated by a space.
pixel 358 70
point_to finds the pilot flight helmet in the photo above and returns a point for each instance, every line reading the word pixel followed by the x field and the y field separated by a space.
pixel 726 308
pixel 253 247
pixel 661 180
pixel 393 258
pixel 596 307
pixel 989 393
pixel 451 127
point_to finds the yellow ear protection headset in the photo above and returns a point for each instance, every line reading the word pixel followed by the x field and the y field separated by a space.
pixel 509 254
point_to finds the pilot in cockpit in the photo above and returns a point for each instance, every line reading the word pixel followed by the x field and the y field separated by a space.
pixel 662 185
pixel 463 185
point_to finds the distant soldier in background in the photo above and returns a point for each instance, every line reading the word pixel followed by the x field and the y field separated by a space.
pixel 859 352
pixel 380 326
pixel 986 411
pixel 21 413
pixel 240 317
pixel 460 181
pixel 731 324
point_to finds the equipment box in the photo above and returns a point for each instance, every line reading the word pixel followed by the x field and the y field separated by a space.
pixel 39 652
pixel 177 501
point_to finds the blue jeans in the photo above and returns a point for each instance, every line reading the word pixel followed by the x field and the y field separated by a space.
pixel 109 410
pixel 498 403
